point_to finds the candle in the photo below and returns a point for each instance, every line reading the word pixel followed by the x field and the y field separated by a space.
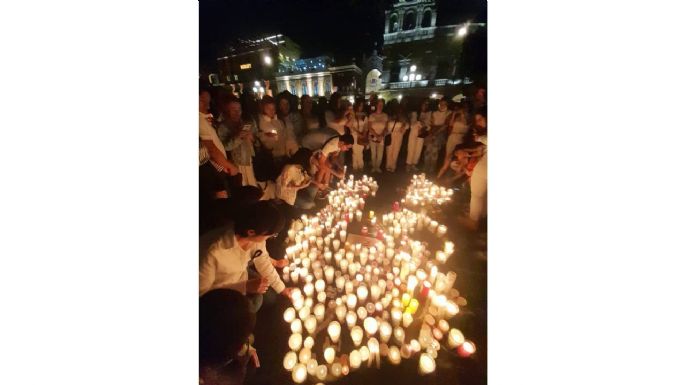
pixel 385 331
pixel 336 369
pixel 412 281
pixel 340 312
pixel 373 350
pixel 362 293
pixel 357 334
pixel 405 299
pixel 364 353
pixel 413 305
pixel 296 326
pixel 321 297
pixel 340 283
pixel 351 301
pixel 336 244
pixel 321 372
pixel 289 361
pixel 343 235
pixel 362 313
pixel 370 325
pixel 396 315
pixel 426 364
pixel 334 331
pixel 355 359
pixel 311 367
pixel 443 326
pixel 375 292
pixel 329 354
pixel 320 285
pixel 289 314
pixel 351 319
pixel 305 355
pixel 455 338
pixel 304 312
pixel 440 256
pixel 407 319
pixel 308 289
pixel 295 341
pixel 398 333
pixel 299 373
pixel 442 229
pixel 394 355
pixel 308 342
pixel 466 349
pixel 319 311
pixel 310 324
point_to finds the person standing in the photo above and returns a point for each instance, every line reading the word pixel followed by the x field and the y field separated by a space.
pixel 436 137
pixel 457 129
pixel 397 126
pixel 357 125
pixel 310 118
pixel 274 134
pixel 290 122
pixel 377 128
pixel 419 124
pixel 238 138
pixel 210 139
pixel 479 178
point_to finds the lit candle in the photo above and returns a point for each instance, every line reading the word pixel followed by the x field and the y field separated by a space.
pixel 371 325
pixel 398 333
pixel 351 301
pixel 455 338
pixel 321 297
pixel 329 354
pixel 289 314
pixel 355 359
pixel 299 373
pixel 466 349
pixel 334 331
pixel 413 306
pixel 362 313
pixel 426 364
pixel 396 315
pixel 373 351
pixel 362 293
pixel 295 341
pixel 442 229
pixel 308 342
pixel 289 361
pixel 340 312
pixel 440 256
pixel 305 355
pixel 296 326
pixel 385 331
pixel 394 355
pixel 336 369
pixel 340 283
pixel 357 334
pixel 405 299
pixel 336 244
pixel 412 281
pixel 375 292
pixel 320 285
pixel 319 311
pixel 311 367
pixel 308 289
pixel 310 324
pixel 305 311
pixel 407 319
pixel 343 235
pixel 351 319
pixel 322 372
pixel 364 353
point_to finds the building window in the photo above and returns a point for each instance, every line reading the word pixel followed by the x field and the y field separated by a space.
pixel 394 25
pixel 426 21
pixel 316 87
pixel 304 88
pixel 409 22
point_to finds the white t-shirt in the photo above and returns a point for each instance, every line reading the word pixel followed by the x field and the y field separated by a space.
pixel 207 132
pixel 223 263
pixel 292 173
pixel 378 122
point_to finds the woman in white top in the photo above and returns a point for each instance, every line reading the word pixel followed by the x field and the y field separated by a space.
pixel 479 178
pixel 357 125
pixel 397 126
pixel 457 129
pixel 294 176
pixel 377 126
pixel 436 137
pixel 273 132
pixel 419 120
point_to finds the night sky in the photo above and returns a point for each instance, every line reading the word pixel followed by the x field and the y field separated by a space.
pixel 342 29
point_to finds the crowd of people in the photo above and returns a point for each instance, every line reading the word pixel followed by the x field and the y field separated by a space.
pixel 264 162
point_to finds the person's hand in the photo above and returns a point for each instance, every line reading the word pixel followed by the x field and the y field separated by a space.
pixel 231 170
pixel 287 292
pixel 279 263
pixel 257 285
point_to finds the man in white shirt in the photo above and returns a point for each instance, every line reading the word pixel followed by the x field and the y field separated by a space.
pixel 210 139
pixel 226 253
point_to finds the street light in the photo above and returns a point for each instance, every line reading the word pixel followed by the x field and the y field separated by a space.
pixel 267 60
pixel 418 76
pixel 462 31
pixel 405 78
pixel 412 68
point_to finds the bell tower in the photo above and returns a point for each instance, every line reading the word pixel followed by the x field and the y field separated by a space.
pixel 410 20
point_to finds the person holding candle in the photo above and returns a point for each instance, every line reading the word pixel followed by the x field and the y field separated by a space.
pixel 377 128
pixel 397 126
pixel 436 137
pixel 226 253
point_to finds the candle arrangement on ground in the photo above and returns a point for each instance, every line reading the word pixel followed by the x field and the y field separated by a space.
pixel 372 296
pixel 421 192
